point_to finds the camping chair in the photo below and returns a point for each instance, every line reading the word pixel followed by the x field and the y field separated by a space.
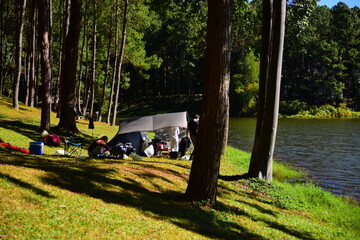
pixel 73 146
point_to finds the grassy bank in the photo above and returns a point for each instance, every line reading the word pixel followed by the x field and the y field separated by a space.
pixel 53 197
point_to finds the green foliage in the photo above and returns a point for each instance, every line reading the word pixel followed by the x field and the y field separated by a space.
pixel 292 107
pixel 328 111
pixel 244 86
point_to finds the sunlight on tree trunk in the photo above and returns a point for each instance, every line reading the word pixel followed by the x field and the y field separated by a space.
pixel 269 89
pixel 204 173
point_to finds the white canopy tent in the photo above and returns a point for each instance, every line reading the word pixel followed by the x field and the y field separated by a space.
pixel 153 122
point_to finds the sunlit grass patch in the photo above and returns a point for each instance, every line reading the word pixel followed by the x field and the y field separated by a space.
pixel 54 197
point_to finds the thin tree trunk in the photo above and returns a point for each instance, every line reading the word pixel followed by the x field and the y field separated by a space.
pixel 270 77
pixel 121 56
pixel 27 69
pixel 103 96
pixel 18 50
pixel 29 101
pixel 111 95
pixel 93 68
pixel 204 173
pixel 86 82
pixel 1 48
pixel 50 10
pixel 80 76
pixel 33 85
pixel 44 27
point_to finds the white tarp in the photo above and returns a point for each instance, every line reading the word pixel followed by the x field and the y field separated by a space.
pixel 153 122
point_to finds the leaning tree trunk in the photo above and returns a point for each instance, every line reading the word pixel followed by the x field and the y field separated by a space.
pixel 121 56
pixel 269 92
pixel 18 50
pixel 68 77
pixel 44 27
pixel 207 153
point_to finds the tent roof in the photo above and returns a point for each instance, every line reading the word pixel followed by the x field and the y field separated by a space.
pixel 153 122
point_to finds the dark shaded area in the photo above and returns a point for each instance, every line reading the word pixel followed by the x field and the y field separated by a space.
pixel 33 131
pixel 25 185
pixel 234 177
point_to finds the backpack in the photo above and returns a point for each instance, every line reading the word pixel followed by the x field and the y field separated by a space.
pixel 52 139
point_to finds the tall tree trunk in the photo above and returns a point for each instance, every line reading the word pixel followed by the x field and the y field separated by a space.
pixel 87 80
pixel 33 85
pixel 65 30
pixel 68 77
pixel 93 67
pixel 1 48
pixel 50 10
pixel 269 92
pixel 27 69
pixel 30 93
pixel 121 56
pixel 103 96
pixel 80 76
pixel 207 153
pixel 18 50
pixel 44 27
pixel 111 95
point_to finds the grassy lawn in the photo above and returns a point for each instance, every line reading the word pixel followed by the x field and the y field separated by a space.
pixel 55 197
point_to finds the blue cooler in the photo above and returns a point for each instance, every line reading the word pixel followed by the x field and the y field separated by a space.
pixel 36 148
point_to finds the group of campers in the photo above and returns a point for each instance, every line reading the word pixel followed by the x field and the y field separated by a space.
pixel 177 146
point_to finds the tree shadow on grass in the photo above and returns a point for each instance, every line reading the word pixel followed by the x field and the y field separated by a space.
pixel 25 185
pixel 98 181
pixel 28 130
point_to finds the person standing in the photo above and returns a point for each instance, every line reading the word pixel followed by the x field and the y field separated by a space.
pixel 174 138
pixel 193 129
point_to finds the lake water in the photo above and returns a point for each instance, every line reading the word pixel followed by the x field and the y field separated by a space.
pixel 328 150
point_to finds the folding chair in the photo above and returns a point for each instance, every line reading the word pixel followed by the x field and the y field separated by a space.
pixel 73 146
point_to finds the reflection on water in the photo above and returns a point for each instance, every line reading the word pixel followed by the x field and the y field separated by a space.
pixel 329 150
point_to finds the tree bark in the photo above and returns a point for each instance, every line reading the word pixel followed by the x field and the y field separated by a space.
pixel 80 76
pixel 121 56
pixel 1 47
pixel 65 30
pixel 111 95
pixel 68 77
pixel 269 91
pixel 44 31
pixel 32 55
pixel 103 96
pixel 93 67
pixel 18 50
pixel 207 153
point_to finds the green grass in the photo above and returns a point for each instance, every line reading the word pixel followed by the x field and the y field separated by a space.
pixel 53 197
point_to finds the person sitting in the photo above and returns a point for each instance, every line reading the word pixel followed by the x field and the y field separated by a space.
pixel 98 146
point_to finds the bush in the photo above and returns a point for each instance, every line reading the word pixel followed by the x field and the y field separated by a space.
pixel 292 107
pixel 328 111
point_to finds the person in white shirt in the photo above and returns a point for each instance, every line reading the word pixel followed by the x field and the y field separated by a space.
pixel 174 138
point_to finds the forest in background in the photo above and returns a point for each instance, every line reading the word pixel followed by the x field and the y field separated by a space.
pixel 164 54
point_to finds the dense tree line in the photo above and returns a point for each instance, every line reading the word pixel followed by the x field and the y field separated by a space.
pixel 163 54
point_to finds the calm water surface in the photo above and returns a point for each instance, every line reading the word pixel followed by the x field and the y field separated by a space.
pixel 328 150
